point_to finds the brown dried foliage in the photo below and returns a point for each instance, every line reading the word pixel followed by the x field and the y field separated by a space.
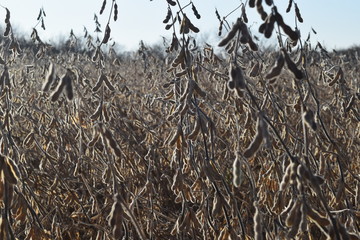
pixel 151 156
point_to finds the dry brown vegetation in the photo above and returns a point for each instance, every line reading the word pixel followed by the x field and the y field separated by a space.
pixel 250 144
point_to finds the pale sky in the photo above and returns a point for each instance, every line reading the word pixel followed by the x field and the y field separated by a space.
pixel 336 22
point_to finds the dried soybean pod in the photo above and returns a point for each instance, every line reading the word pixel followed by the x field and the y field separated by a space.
pixel 50 76
pixel 217 15
pixel 217 205
pixel 304 220
pixel 56 94
pixel 262 27
pixel 289 6
pixel 3 222
pixel 276 69
pixel 339 75
pixel 171 2
pixel 278 18
pixel 238 76
pixel 169 95
pixel 287 209
pixel 198 90
pixel 298 15
pixel 105 114
pixel 174 43
pixel 252 3
pixel 168 26
pixel 266 135
pixel 7 30
pixel 111 140
pixel 196 130
pixel 184 109
pixel 269 30
pixel 344 234
pixel 253 46
pixel 29 139
pixel 294 214
pixel 231 34
pixel 353 236
pixel 188 91
pixel 316 217
pixel 96 54
pixel 11 171
pixel 340 191
pixel 184 226
pixel 350 104
pixel 224 234
pixel 192 27
pixel 98 83
pixel 294 36
pixel 39 16
pixel 225 94
pixel 256 143
pixel 175 137
pixel 269 27
pixel 258 3
pixel 309 119
pixel 255 70
pixel 317 180
pixel 97 112
pixel 21 211
pixel 7 17
pixel 178 17
pixel 5 77
pixel 220 28
pixel 196 13
pixel 179 58
pixel 230 47
pixel 184 25
pixel 103 7
pixel 116 218
pixel 291 33
pixel 107 34
pixel 262 13
pixel 69 89
pixel 245 36
pixel 237 172
pixel 232 75
pixel 304 173
pixel 116 12
pixel 296 224
pixel 258 235
pixel 168 16
pixel 108 83
pixel 260 9
pixel 68 85
pixel 286 178
pixel 291 65
pixel 182 73
pixel 243 12
pixel 269 2
pixel 2 162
